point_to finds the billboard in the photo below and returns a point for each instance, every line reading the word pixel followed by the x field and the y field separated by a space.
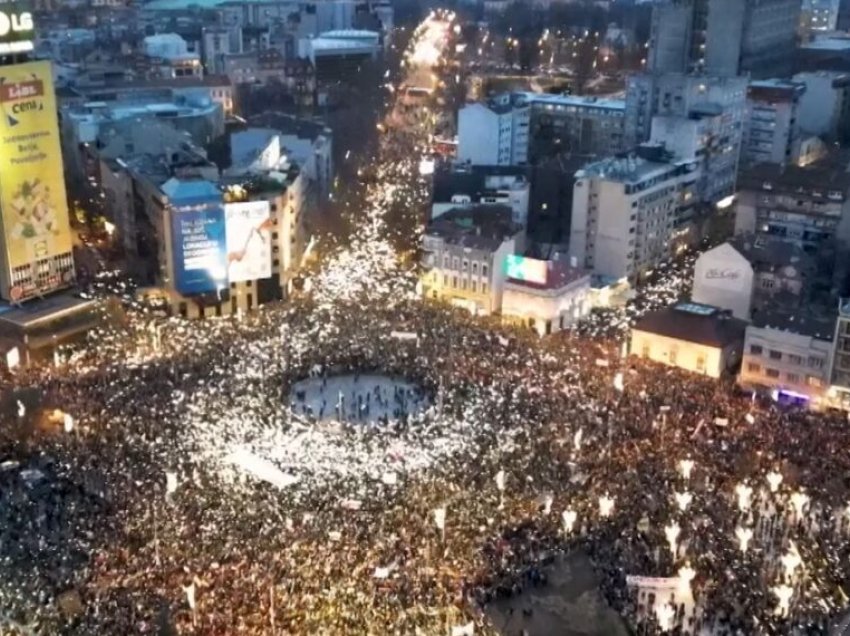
pixel 526 269
pixel 200 251
pixel 32 187
pixel 249 240
pixel 17 30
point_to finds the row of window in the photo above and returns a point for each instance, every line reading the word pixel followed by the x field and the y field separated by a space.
pixel 774 374
pixel 463 284
pixel 792 358
pixel 464 265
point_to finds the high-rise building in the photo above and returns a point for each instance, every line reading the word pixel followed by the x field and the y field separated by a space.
pixel 773 127
pixel 625 211
pixel 36 256
pixel 724 37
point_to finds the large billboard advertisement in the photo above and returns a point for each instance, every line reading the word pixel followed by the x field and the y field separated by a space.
pixel 527 269
pixel 200 249
pixel 17 30
pixel 249 237
pixel 32 187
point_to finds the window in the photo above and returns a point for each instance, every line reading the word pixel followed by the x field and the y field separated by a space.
pixel 445 261
pixel 475 269
pixel 701 364
pixel 483 288
pixel 795 359
pixel 465 265
pixel 673 354
pixel 474 285
pixel 454 282
pixel 455 263
pixel 445 280
pixel 814 381
pixel 816 363
pixel 756 350
pixel 484 269
pixel 644 350
pixel 463 283
pixel 793 378
pixel 775 355
pixel 771 373
pixel 752 367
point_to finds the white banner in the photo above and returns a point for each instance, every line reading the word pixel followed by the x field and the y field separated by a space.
pixel 249 240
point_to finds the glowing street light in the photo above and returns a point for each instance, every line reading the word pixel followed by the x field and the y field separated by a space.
pixel 671 532
pixel 606 506
pixel 744 493
pixel 774 479
pixel 744 535
pixel 569 518
pixel 683 500
pixel 686 466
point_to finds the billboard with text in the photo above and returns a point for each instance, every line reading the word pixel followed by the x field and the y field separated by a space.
pixel 17 28
pixel 200 249
pixel 526 269
pixel 33 204
pixel 249 240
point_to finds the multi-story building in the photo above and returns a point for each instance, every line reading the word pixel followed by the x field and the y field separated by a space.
pixel 789 355
pixel 523 127
pixel 260 68
pixel 772 132
pixel 750 274
pixel 458 189
pixel 216 44
pixel 678 95
pixel 824 108
pixel 83 126
pixel 724 37
pixel 840 369
pixel 464 256
pixel 807 206
pixel 170 54
pixel 705 138
pixel 626 210
pixel 494 134
pixel 219 246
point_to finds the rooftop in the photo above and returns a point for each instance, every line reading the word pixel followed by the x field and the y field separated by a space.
pixel 559 274
pixel 628 169
pixel 828 44
pixel 290 125
pixel 569 100
pixel 826 175
pixel 806 323
pixel 481 227
pixel 769 253
pixel 694 322
pixel 192 189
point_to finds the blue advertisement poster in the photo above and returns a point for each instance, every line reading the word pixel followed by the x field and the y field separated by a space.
pixel 200 249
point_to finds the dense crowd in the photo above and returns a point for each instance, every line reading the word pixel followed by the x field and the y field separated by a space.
pixel 182 493
pixel 340 549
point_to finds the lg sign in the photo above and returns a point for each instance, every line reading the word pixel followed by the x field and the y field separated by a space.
pixel 11 23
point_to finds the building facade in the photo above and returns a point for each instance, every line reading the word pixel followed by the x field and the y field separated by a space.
pixel 493 135
pixel 625 210
pixel 724 37
pixel 789 356
pixel 772 131
pixel 677 95
pixel 697 338
pixel 807 206
pixel 464 257
pixel 824 109
pixel 550 303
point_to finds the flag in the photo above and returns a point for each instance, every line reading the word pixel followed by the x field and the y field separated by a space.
pixel 170 483
pixel 464 630
pixel 500 480
pixel 190 595
pixel 440 518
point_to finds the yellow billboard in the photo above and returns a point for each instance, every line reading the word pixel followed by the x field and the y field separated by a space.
pixel 33 204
